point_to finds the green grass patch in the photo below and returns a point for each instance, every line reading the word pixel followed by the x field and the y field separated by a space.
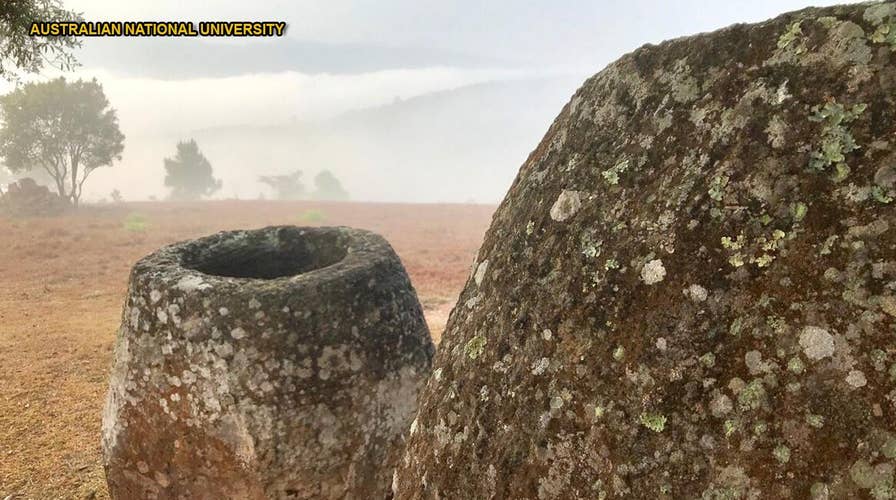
pixel 313 216
pixel 136 223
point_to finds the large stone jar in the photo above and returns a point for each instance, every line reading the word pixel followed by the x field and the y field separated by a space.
pixel 275 363
pixel 690 289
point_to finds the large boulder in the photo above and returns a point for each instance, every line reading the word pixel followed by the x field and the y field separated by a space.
pixel 690 289
pixel 275 363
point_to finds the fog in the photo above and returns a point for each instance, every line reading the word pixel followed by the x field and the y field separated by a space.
pixel 403 100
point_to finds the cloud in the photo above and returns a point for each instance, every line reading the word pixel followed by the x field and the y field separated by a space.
pixel 558 32
pixel 151 106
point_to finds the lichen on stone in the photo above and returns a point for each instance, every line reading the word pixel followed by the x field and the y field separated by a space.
pixel 837 140
pixel 567 204
pixel 475 346
pixel 653 272
pixel 728 266
pixel 653 421
pixel 817 343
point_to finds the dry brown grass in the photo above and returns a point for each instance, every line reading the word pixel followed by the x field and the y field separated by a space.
pixel 62 281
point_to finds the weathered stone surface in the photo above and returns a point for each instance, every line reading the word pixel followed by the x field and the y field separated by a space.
pixel 690 285
pixel 276 363
pixel 26 197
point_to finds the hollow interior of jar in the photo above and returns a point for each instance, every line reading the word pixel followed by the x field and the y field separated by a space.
pixel 268 255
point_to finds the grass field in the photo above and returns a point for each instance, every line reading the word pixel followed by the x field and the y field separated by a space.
pixel 62 282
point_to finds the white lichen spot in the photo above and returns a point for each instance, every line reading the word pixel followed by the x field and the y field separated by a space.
pixel 238 333
pixel 856 379
pixel 188 377
pixel 753 360
pixel 173 311
pixel 480 272
pixel 661 343
pixel 782 94
pixel 540 366
pixel 155 296
pixel 816 342
pixel 223 311
pixel 254 303
pixel 191 284
pixel 720 405
pixel 653 272
pixel 224 350
pixel 471 303
pixel 619 353
pixel 696 293
pixel 567 204
pixel 556 403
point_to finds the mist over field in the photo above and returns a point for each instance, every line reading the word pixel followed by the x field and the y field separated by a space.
pixel 405 101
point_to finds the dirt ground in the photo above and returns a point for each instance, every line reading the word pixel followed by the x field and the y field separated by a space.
pixel 62 282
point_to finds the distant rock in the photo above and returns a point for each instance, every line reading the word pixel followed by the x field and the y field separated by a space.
pixel 26 197
pixel 690 286
pixel 276 363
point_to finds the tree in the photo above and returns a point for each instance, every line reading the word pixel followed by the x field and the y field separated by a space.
pixel 189 173
pixel 66 128
pixel 286 187
pixel 22 53
pixel 328 187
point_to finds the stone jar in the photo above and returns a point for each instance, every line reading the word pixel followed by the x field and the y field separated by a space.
pixel 690 288
pixel 275 363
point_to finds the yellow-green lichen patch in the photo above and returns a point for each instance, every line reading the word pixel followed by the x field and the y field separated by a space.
pixel 475 346
pixel 837 140
pixel 717 187
pixel 611 175
pixel 752 396
pixel 782 454
pixel 653 421
pixel 883 18
pixel 798 211
pixel 793 36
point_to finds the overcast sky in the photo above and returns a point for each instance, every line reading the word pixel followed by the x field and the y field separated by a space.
pixel 545 31
pixel 343 55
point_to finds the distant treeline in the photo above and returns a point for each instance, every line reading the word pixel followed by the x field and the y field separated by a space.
pixel 290 186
